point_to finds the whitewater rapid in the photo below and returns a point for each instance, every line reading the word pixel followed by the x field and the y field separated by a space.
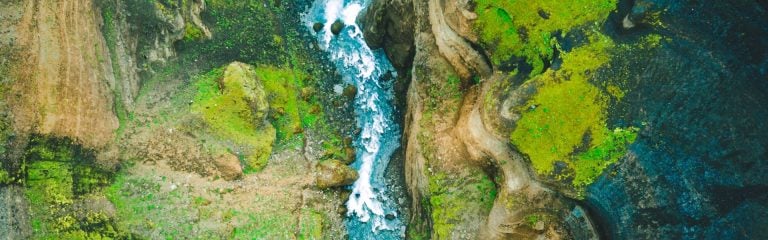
pixel 371 210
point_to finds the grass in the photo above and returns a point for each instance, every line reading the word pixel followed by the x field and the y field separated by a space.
pixel 517 28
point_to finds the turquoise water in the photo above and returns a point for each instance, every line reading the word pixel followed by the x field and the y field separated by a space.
pixel 372 210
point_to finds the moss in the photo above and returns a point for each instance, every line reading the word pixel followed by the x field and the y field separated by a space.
pixel 5 177
pixel 524 28
pixel 284 86
pixel 231 119
pixel 110 34
pixel 58 173
pixel 532 219
pixel 561 114
pixel 615 91
pixel 192 32
pixel 589 164
pixel 567 117
pixel 452 197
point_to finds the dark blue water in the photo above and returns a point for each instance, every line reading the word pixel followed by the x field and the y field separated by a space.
pixel 372 209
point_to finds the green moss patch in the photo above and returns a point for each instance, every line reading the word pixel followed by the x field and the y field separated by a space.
pixel 192 32
pixel 564 124
pixel 292 113
pixel 59 174
pixel 223 106
pixel 525 29
pixel 452 197
pixel 231 119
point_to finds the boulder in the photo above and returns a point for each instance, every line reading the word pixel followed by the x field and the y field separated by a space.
pixel 317 27
pixel 228 166
pixel 333 173
pixel 241 75
pixel 337 26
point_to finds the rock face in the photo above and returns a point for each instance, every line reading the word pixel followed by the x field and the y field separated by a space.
pixel 698 169
pixel 161 24
pixel 333 173
pixel 63 87
pixel 693 172
pixel 390 25
pixel 450 142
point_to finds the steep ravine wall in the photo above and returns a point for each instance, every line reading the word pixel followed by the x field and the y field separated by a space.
pixel 674 181
pixel 464 178
pixel 63 81
pixel 68 71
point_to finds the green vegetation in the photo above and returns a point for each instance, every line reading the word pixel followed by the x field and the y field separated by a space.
pixel 449 198
pixel 231 118
pixel 110 37
pixel 311 225
pixel 192 32
pixel 59 174
pixel 588 165
pixel 567 117
pixel 524 29
pixel 5 119
pixel 146 209
pixel 532 219
pixel 150 210
pixel 293 113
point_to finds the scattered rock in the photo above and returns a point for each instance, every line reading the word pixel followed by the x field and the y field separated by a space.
pixel 229 167
pixel 349 155
pixel 318 26
pixel 333 173
pixel 390 217
pixel 350 91
pixel 337 26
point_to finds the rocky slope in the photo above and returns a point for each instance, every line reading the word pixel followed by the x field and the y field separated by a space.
pixel 117 112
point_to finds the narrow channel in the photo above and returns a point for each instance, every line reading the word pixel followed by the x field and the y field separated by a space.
pixel 371 208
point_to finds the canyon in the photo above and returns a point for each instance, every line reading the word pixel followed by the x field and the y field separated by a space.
pixel 262 119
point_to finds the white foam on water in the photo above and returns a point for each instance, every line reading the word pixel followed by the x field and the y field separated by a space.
pixel 359 65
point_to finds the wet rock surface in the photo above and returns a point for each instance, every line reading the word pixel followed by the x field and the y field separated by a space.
pixel 698 168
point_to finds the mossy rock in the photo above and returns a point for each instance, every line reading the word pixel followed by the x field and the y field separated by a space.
pixel 242 77
pixel 527 29
pixel 337 26
pixel 233 103
pixel 333 173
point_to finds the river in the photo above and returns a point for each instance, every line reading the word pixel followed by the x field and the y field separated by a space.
pixel 371 208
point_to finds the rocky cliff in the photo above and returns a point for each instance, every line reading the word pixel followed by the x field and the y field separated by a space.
pixel 581 120
pixel 115 113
